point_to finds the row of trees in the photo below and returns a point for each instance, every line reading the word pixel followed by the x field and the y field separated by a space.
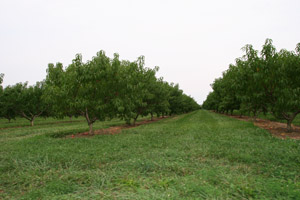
pixel 99 89
pixel 269 82
pixel 22 100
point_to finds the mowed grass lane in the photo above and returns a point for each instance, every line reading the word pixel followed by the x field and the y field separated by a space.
pixel 200 155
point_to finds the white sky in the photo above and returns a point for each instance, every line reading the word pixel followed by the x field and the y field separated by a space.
pixel 192 41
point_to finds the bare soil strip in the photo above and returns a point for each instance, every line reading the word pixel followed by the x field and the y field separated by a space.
pixel 277 129
pixel 114 129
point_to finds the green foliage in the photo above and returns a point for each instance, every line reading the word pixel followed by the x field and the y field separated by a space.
pixel 1 80
pixel 7 102
pixel 282 85
pixel 87 89
pixel 179 102
pixel 260 84
pixel 160 102
pixel 55 94
pixel 30 104
pixel 138 96
pixel 104 88
pixel 99 89
pixel 24 101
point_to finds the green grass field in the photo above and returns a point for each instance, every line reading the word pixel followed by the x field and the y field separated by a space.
pixel 200 155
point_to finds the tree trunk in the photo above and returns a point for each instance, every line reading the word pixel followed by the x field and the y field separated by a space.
pixel 151 116
pixel 290 119
pixel 289 126
pixel 31 118
pixel 254 118
pixel 89 121
pixel 91 131
pixel 254 115
pixel 289 123
pixel 134 120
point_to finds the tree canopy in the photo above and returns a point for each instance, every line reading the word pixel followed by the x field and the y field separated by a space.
pixel 266 83
pixel 104 88
pixel 99 89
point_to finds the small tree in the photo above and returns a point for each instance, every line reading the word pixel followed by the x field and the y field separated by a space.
pixel 24 101
pixel 138 95
pixel 89 88
pixel 280 72
pixel 30 103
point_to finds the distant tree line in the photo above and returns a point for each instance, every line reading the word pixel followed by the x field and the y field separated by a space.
pixel 269 82
pixel 100 89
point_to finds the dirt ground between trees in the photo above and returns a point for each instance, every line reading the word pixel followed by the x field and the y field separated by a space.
pixel 114 129
pixel 277 129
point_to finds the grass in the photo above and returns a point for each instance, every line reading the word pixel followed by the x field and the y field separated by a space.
pixel 21 122
pixel 200 155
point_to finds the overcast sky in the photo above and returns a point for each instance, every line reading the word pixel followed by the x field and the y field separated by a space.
pixel 192 41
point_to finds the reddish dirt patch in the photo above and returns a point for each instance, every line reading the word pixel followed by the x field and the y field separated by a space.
pixel 114 129
pixel 277 129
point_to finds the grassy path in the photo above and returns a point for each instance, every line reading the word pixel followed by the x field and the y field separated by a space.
pixel 200 155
